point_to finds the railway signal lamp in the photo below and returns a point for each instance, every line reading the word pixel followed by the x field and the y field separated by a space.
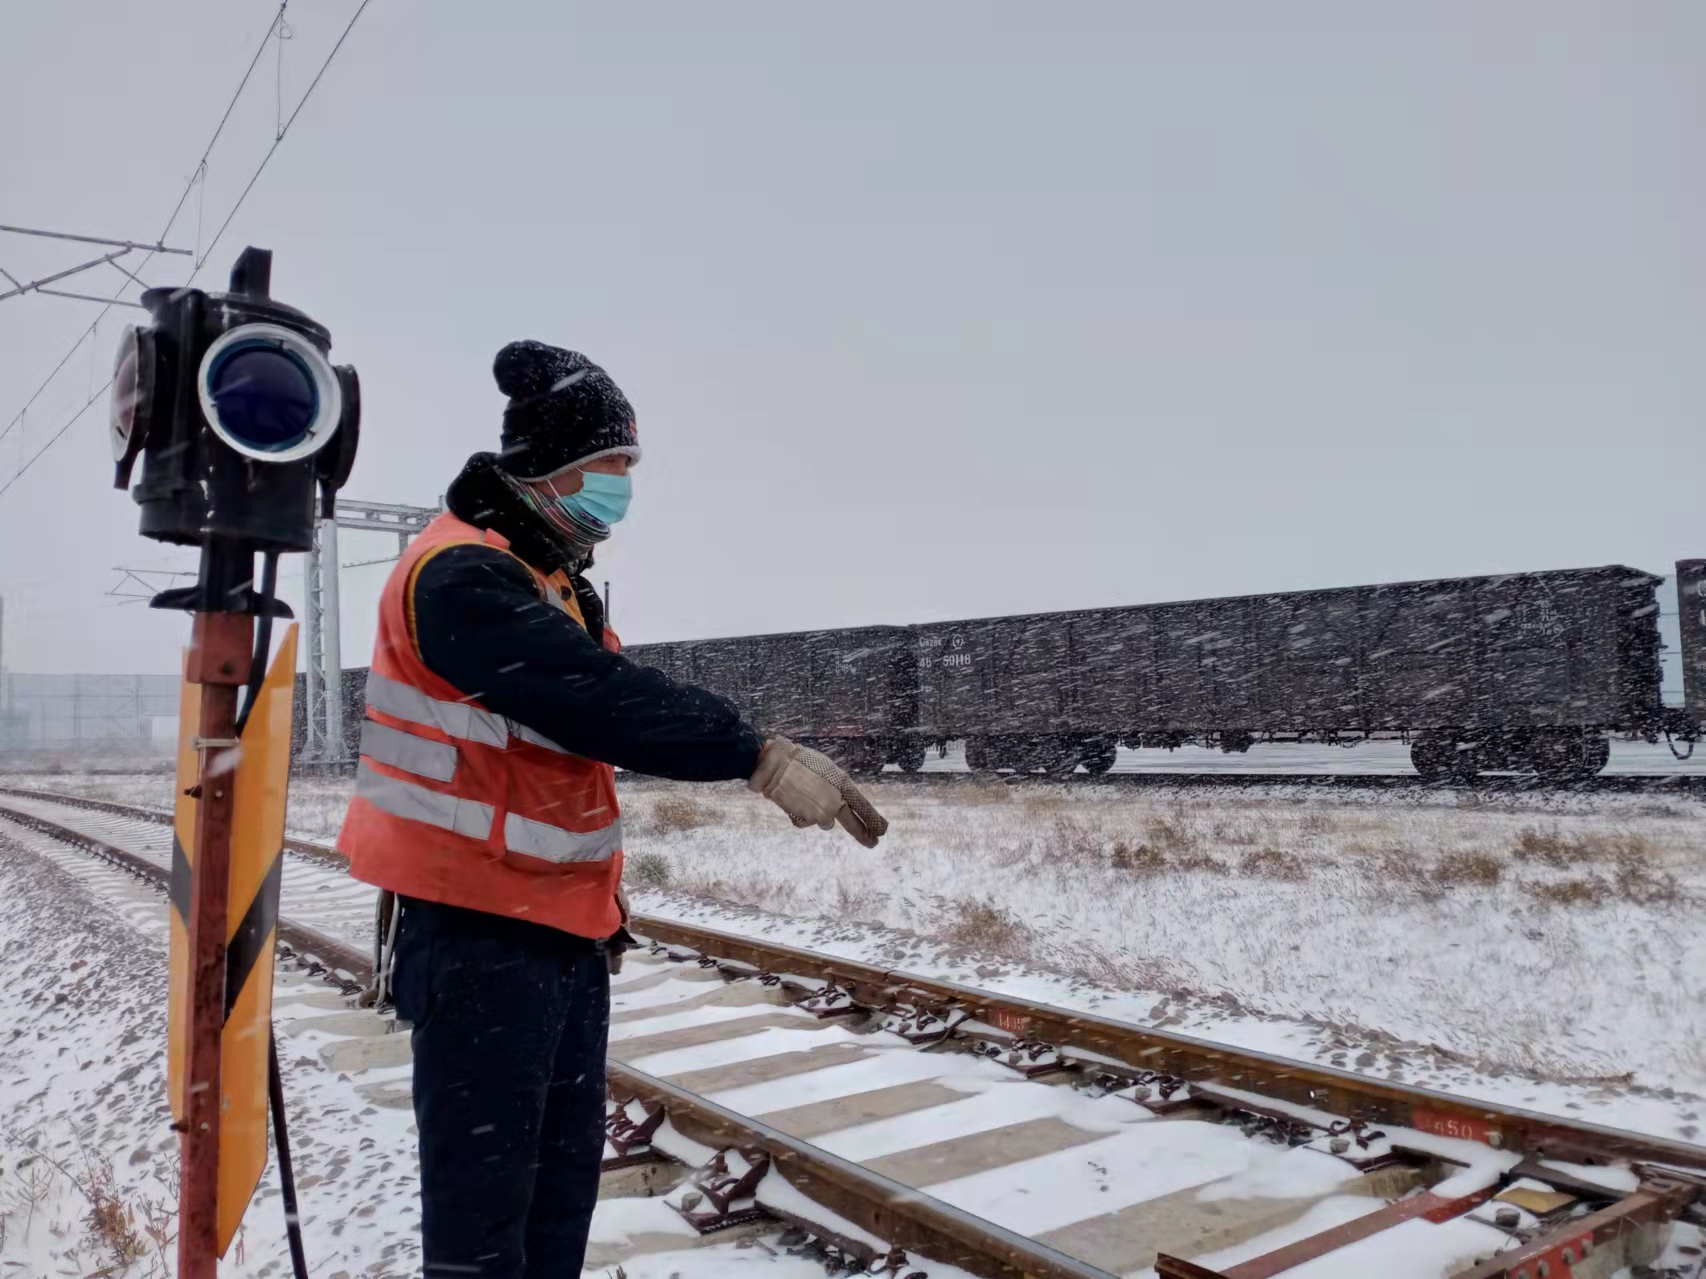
pixel 244 430
pixel 242 424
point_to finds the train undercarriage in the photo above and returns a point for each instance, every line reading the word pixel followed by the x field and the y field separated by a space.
pixel 1444 755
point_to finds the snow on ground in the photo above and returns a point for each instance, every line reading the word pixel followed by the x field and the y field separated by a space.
pixel 83 1114
pixel 1569 945
pixel 1547 950
pixel 88 1165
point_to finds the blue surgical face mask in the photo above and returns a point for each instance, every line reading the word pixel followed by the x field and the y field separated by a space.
pixel 602 496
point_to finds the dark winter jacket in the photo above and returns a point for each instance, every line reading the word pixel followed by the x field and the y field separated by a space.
pixel 481 625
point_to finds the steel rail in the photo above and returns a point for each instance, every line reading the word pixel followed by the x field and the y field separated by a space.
pixel 890 1210
pixel 1605 784
pixel 1095 1040
pixel 342 958
pixel 908 1219
pixel 1195 1061
pixel 1656 784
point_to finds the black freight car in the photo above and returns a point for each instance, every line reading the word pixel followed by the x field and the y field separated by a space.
pixel 1519 672
pixel 848 693
pixel 1691 616
pixel 1524 671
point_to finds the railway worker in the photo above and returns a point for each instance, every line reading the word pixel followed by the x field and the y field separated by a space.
pixel 485 801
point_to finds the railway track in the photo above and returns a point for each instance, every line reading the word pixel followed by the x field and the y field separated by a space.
pixel 1618 783
pixel 1657 784
pixel 1605 784
pixel 869 1110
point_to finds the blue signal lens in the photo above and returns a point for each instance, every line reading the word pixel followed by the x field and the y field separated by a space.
pixel 265 396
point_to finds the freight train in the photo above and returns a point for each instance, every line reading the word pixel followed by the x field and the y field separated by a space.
pixel 1524 672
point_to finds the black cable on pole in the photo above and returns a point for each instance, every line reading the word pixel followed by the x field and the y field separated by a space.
pixel 263 638
pixel 286 1174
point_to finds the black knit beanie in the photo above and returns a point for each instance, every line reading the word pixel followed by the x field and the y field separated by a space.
pixel 562 409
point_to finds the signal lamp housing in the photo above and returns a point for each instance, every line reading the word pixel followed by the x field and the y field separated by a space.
pixel 269 393
pixel 231 412
pixel 135 373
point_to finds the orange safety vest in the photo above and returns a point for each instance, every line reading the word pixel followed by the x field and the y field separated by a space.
pixel 456 804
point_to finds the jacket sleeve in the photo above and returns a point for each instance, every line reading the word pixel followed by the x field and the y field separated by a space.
pixel 481 624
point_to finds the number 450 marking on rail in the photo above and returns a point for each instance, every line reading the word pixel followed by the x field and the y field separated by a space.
pixel 1444 1125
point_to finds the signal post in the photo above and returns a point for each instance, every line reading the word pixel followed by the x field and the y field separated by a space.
pixel 244 430
pixel 218 661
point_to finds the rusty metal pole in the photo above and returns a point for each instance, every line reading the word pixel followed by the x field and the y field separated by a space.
pixel 219 662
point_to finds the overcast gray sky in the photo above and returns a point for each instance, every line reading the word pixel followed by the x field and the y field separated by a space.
pixel 927 309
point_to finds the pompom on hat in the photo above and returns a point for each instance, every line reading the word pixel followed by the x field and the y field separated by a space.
pixel 563 410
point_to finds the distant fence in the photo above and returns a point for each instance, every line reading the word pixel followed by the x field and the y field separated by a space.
pixel 129 714
pixel 82 719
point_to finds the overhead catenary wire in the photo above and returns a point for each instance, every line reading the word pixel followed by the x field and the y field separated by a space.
pixel 283 130
pixel 208 250
pixel 230 106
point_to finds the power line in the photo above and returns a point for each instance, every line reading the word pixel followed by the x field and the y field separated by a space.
pixel 54 439
pixel 282 131
pixel 196 175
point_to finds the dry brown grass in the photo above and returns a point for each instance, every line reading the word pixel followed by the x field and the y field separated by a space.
pixel 1591 891
pixel 650 869
pixel 1468 870
pixel 761 890
pixel 1235 832
pixel 1074 843
pixel 1273 863
pixel 1642 886
pixel 860 904
pixel 1040 803
pixel 1173 833
pixel 1317 822
pixel 1138 859
pixel 1145 860
pixel 1401 873
pixel 979 924
pixel 1613 866
pixel 1552 847
pixel 1630 882
pixel 114 1224
pixel 679 812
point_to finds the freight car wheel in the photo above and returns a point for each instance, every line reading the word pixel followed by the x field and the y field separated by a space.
pixel 1565 757
pixel 1438 757
pixel 866 755
pixel 910 756
pixel 977 754
pixel 1098 757
pixel 1057 756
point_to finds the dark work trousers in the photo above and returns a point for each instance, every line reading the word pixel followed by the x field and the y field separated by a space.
pixel 510 1022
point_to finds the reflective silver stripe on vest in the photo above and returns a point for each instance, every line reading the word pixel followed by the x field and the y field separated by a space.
pixel 554 844
pixel 418 804
pixel 412 754
pixel 459 719
pixel 526 734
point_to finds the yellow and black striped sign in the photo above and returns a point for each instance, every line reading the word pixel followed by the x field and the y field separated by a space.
pixel 262 776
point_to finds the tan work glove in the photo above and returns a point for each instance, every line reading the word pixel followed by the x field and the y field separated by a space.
pixel 815 791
